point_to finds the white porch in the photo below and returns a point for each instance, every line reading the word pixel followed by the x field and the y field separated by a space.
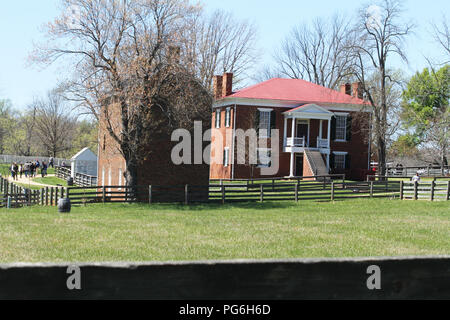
pixel 297 142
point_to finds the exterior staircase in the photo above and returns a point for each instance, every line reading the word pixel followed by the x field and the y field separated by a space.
pixel 316 163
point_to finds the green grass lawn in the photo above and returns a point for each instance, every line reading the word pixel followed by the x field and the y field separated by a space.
pixel 114 232
pixel 53 181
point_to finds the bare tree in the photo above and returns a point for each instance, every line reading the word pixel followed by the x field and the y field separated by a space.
pixel 441 35
pixel 126 56
pixel 317 53
pixel 53 124
pixel 218 44
pixel 378 35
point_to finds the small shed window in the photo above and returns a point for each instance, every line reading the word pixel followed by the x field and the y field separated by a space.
pixel 226 157
pixel 228 117
pixel 218 118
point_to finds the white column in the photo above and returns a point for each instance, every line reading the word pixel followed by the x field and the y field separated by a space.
pixel 329 133
pixel 293 127
pixel 285 132
pixel 292 164
pixel 328 162
pixel 321 129
pixel 292 150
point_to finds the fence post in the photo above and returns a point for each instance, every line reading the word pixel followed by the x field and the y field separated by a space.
pixel 433 184
pixel 150 195
pixel 8 202
pixel 56 196
pixel 371 189
pixel 186 194
pixel 104 194
pixel 28 193
pixel 41 193
pixel 262 193
pixel 46 196
pixel 448 191
pixel 273 185
pixel 416 190
pixel 296 191
pixel 332 191
pixel 223 194
pixel 343 181
pixel 401 189
pixel 51 196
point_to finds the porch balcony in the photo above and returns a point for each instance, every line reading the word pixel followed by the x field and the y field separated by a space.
pixel 302 137
pixel 323 143
pixel 296 142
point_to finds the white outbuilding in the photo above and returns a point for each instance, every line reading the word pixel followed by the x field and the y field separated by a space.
pixel 84 162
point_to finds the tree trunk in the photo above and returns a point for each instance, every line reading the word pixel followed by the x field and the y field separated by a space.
pixel 381 156
pixel 131 176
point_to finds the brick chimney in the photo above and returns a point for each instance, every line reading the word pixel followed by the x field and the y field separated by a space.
pixel 217 87
pixel 346 89
pixel 357 90
pixel 227 84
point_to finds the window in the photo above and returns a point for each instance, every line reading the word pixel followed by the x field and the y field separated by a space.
pixel 120 179
pixel 218 118
pixel 339 160
pixel 341 128
pixel 264 124
pixel 228 117
pixel 226 157
pixel 264 158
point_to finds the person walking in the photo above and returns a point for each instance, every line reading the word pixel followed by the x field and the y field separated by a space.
pixel 44 169
pixel 20 170
pixel 416 178
pixel 26 169
pixel 15 171
pixel 32 169
pixel 50 164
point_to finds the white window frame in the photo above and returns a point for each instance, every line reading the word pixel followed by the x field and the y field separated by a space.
pixel 344 154
pixel 120 178
pixel 268 152
pixel 218 116
pixel 228 117
pixel 345 116
pixel 226 157
pixel 265 133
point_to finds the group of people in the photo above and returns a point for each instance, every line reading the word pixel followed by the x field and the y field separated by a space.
pixel 30 169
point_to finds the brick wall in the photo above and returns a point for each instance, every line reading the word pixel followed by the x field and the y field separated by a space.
pixel 357 148
pixel 156 167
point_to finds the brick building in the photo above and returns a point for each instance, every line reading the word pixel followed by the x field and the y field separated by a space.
pixel 321 130
pixel 155 166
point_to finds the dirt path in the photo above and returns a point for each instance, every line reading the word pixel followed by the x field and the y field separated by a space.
pixel 28 181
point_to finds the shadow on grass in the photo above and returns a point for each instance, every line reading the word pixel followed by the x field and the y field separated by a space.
pixel 269 205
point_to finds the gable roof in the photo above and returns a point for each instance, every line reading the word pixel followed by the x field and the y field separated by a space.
pixel 295 90
pixel 85 154
pixel 309 108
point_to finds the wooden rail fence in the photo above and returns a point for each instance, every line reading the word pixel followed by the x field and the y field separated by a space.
pixel 432 191
pixel 81 180
pixel 225 193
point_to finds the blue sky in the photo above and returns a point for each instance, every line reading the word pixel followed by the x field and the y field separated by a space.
pixel 21 22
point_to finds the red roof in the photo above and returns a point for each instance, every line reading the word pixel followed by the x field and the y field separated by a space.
pixel 294 90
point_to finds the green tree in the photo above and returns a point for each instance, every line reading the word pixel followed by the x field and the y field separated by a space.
pixel 7 124
pixel 426 109
pixel 405 146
